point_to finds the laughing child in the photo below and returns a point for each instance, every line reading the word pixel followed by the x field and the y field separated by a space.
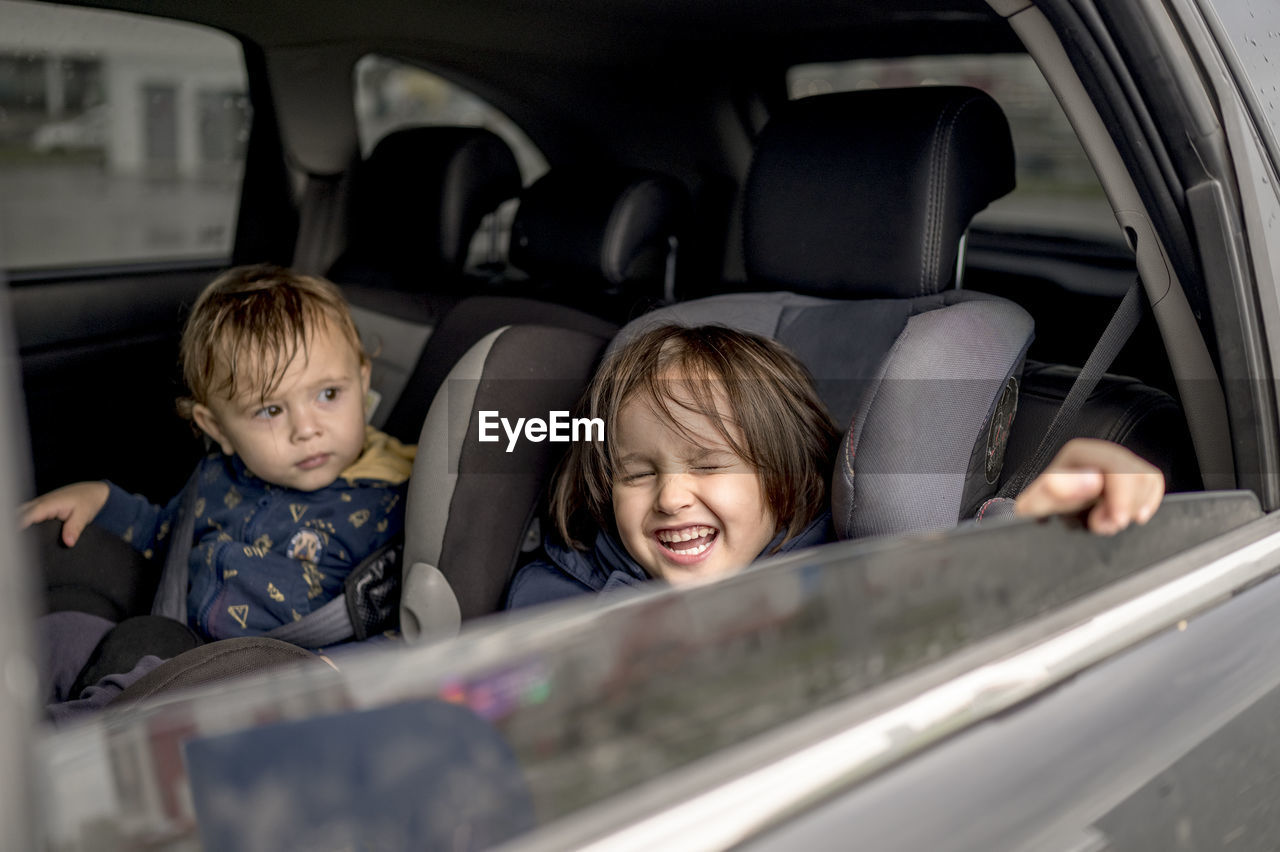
pixel 718 452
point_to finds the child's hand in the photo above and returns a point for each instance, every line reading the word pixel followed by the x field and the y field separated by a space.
pixel 75 505
pixel 1120 486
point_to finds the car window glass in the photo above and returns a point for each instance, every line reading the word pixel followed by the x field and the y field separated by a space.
pixel 1253 27
pixel 615 692
pixel 1057 192
pixel 391 94
pixel 122 138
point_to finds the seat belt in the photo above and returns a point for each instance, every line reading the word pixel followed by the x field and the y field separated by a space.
pixel 1114 336
pixel 171 595
pixel 330 624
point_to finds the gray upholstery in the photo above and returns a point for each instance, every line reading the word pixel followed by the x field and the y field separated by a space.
pixel 907 462
pixel 865 196
pixel 469 501
pixel 426 607
pixel 917 381
pixel 394 346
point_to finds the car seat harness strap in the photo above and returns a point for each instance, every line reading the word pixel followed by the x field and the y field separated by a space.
pixel 369 604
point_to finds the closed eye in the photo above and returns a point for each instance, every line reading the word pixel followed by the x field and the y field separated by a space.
pixel 630 478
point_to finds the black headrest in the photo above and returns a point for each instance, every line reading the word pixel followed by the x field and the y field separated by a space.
pixel 597 225
pixel 867 193
pixel 418 198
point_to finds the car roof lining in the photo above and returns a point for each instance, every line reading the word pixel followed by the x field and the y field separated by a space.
pixel 621 32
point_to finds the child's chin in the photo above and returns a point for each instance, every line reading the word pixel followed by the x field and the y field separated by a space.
pixel 311 481
pixel 696 573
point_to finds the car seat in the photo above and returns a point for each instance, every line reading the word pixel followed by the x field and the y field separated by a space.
pixel 854 210
pixel 414 205
pixel 592 241
pixel 603 239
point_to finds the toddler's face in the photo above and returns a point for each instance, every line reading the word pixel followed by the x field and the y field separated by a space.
pixel 685 511
pixel 310 429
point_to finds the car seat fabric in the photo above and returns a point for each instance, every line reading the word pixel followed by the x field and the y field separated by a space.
pixel 865 196
pixel 217 661
pixel 415 204
pixel 464 325
pixel 918 386
pixel 471 502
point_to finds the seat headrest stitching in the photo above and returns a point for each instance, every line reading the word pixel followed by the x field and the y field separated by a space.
pixel 934 252
pixel 932 206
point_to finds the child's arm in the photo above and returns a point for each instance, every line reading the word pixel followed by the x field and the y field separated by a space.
pixel 131 516
pixel 1120 487
pixel 75 505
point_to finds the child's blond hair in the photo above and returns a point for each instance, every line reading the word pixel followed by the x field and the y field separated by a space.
pixel 772 419
pixel 249 324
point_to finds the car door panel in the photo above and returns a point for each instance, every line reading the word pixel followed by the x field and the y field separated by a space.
pixel 99 370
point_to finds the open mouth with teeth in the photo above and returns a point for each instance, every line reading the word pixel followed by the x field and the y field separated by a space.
pixel 689 541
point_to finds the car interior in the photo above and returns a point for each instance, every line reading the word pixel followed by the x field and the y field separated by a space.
pixel 951 211
pixel 693 166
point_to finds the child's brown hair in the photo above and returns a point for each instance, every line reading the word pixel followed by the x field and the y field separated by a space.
pixel 249 324
pixel 773 420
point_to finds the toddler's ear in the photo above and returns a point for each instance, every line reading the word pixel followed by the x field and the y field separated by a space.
pixel 208 424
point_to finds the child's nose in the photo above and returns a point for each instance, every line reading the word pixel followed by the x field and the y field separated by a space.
pixel 673 493
pixel 305 426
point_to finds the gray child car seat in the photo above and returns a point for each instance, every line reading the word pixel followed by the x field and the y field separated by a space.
pixel 854 210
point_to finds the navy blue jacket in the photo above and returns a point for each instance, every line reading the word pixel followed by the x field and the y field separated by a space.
pixel 566 572
pixel 262 555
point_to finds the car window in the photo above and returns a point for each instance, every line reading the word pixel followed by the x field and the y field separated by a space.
pixel 391 94
pixel 600 696
pixel 1253 28
pixel 1057 192
pixel 122 138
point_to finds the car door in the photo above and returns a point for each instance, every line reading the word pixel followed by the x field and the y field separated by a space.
pixel 107 241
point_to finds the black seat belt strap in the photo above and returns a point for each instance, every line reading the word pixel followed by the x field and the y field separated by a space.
pixel 1113 339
